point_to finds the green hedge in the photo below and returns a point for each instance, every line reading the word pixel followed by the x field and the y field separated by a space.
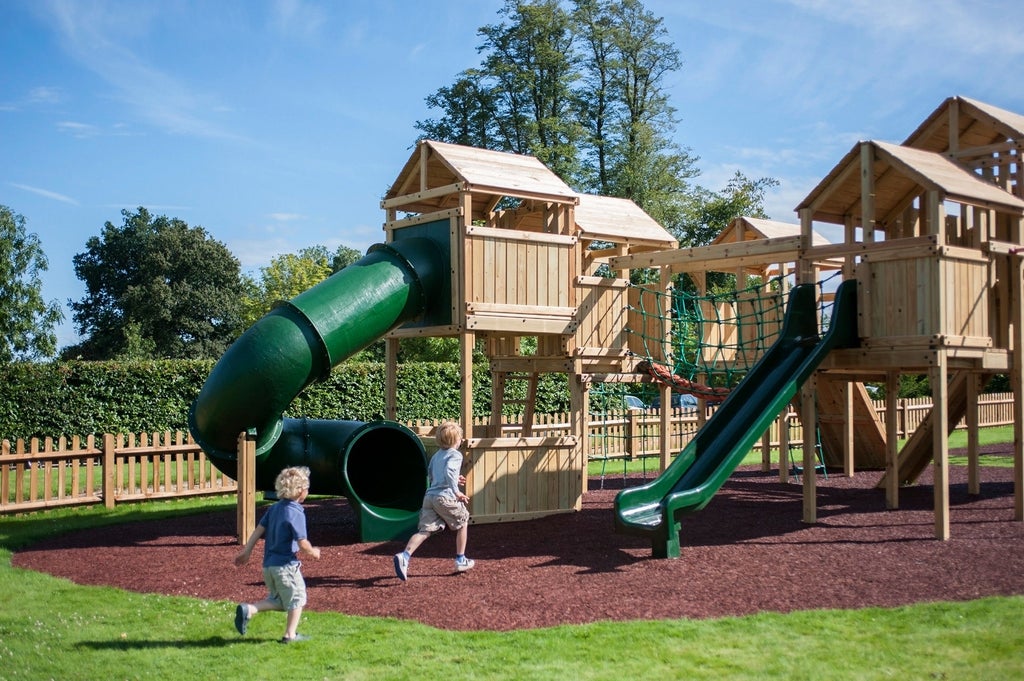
pixel 80 398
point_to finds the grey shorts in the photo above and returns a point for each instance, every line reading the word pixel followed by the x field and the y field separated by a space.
pixel 285 585
pixel 439 511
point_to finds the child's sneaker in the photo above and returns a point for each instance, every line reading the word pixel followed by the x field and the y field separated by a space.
pixel 402 566
pixel 464 564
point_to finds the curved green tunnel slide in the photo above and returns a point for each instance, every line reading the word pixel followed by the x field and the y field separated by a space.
pixel 380 466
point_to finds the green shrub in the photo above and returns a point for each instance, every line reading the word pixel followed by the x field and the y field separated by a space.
pixel 79 398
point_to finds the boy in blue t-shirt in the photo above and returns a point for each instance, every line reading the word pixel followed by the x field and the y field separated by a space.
pixel 284 525
pixel 443 503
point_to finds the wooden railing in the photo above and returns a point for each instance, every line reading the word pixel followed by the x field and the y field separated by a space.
pixel 49 473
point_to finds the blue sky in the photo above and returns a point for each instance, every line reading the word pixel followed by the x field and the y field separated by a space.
pixel 277 125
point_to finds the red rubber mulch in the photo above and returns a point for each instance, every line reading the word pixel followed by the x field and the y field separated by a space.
pixel 747 552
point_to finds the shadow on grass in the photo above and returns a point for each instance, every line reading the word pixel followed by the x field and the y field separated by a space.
pixel 209 642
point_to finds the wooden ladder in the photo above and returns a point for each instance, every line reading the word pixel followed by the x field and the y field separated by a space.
pixel 528 404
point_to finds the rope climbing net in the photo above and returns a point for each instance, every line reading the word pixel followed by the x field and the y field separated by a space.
pixel 705 345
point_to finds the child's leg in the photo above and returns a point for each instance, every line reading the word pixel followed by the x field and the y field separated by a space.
pixel 292 622
pixel 415 541
pixel 265 604
pixel 461 537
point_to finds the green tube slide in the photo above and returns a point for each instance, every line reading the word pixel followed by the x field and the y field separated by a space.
pixel 379 466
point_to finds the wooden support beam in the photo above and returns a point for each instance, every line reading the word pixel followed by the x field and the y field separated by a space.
pixel 245 506
pixel 940 445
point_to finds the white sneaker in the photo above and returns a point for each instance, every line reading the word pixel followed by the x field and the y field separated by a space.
pixel 464 564
pixel 401 566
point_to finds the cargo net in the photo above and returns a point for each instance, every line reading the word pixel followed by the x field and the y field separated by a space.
pixel 705 345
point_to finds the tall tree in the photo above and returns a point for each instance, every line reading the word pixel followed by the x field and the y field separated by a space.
pixel 156 286
pixel 629 118
pixel 710 212
pixel 26 321
pixel 285 277
pixel 468 112
pixel 521 98
pixel 584 92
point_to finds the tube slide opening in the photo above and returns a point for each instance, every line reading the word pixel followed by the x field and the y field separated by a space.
pixel 386 467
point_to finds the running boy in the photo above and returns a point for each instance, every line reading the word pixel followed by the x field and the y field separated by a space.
pixel 443 503
pixel 284 525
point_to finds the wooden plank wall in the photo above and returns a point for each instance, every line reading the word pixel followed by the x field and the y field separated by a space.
pixel 510 267
pixel 524 478
pixel 603 315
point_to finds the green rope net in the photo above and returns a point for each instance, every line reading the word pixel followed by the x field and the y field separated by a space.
pixel 704 345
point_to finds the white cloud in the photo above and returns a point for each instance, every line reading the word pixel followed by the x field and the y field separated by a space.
pixel 95 35
pixel 81 130
pixel 45 193
pixel 287 217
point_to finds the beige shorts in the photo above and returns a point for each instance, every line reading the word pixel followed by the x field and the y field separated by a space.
pixel 439 511
pixel 285 586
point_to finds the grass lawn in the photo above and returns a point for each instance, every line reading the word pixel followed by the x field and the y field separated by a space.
pixel 52 629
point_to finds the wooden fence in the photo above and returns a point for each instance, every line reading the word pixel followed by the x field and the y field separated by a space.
pixel 49 473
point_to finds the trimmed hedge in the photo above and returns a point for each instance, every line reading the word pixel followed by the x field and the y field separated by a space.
pixel 79 398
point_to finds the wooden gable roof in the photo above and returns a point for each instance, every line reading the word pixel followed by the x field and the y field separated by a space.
pixel 489 175
pixel 760 228
pixel 605 218
pixel 960 123
pixel 900 173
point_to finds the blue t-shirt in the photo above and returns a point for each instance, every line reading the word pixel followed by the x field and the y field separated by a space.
pixel 285 524
pixel 443 473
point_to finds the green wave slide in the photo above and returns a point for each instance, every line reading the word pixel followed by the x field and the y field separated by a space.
pixel 380 466
pixel 699 471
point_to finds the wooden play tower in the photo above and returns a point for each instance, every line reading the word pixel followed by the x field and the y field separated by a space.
pixel 931 231
pixel 522 265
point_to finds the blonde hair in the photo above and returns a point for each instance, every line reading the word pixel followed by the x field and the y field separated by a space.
pixel 448 435
pixel 292 482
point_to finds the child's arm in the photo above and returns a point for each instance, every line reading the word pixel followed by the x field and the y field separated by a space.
pixel 243 557
pixel 308 549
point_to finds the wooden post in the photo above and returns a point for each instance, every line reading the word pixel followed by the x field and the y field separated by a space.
pixel 940 446
pixel 892 441
pixel 1016 376
pixel 848 430
pixel 784 445
pixel 808 413
pixel 973 482
pixel 246 504
pixel 109 477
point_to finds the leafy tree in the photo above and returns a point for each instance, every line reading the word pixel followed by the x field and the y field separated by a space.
pixel 710 212
pixel 521 98
pixel 583 91
pixel 343 257
pixel 626 111
pixel 26 320
pixel 156 286
pixel 468 113
pixel 285 277
pixel 288 275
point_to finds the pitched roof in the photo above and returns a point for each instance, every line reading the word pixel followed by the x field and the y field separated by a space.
pixel 760 228
pixel 606 218
pixel 899 173
pixel 439 164
pixel 977 125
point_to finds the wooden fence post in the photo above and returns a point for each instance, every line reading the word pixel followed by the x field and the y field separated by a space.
pixel 109 477
pixel 246 504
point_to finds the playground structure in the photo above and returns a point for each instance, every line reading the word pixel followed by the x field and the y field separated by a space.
pixel 493 248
